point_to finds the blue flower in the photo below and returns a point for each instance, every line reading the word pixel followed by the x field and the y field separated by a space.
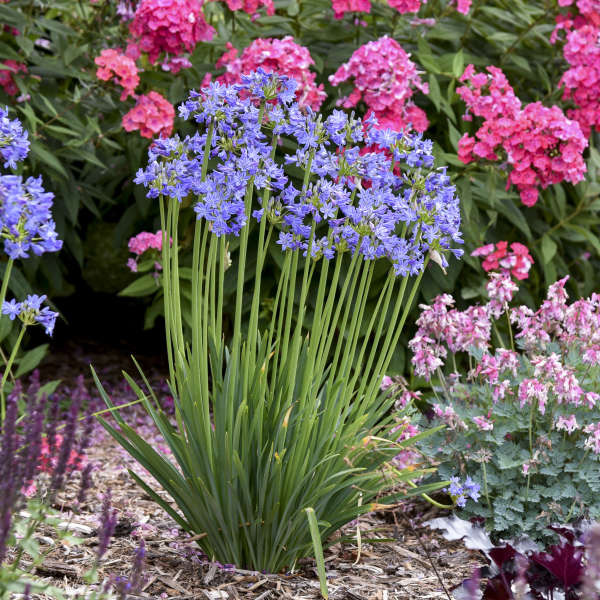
pixel 461 493
pixel 14 145
pixel 25 217
pixel 386 204
pixel 30 312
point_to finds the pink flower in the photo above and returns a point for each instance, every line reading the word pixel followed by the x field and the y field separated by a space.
pixel 283 56
pixel 251 6
pixel 540 144
pixel 386 382
pixel 132 264
pixel 483 423
pixel 112 63
pixel 174 65
pixel 7 74
pixel 531 390
pixel 568 424
pixel 516 262
pixel 340 7
pixel 463 6
pixel 145 241
pixel 152 115
pixel 592 442
pixel 171 26
pixel 500 289
pixel 406 6
pixel 384 79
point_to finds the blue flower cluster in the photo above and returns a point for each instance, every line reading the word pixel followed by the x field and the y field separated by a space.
pixel 26 222
pixel 26 218
pixel 14 145
pixel 460 493
pixel 334 185
pixel 30 311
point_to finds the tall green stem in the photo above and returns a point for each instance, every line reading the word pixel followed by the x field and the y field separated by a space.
pixel 5 279
pixel 9 364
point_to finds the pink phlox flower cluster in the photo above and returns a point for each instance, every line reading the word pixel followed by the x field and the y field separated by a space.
pixel 497 257
pixel 483 423
pixel 541 145
pixel 112 63
pixel 463 6
pixel 145 240
pixel 141 243
pixel 406 6
pixel 171 26
pixel 568 424
pixel 283 56
pixel 153 116
pixel 341 7
pixel 385 79
pixel 7 81
pixel 581 81
pixel 590 9
pixel 251 6
pixel 175 64
pixel 592 442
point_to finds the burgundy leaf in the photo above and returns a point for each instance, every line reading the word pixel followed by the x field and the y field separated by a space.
pixel 564 562
pixel 502 554
pixel 496 589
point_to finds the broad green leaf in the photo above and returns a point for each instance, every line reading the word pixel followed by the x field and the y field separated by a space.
pixel 548 248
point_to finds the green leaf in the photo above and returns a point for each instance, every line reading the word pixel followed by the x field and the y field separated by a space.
pixel 458 64
pixel 318 549
pixel 143 286
pixel 42 154
pixel 31 360
pixel 548 248
pixel 435 94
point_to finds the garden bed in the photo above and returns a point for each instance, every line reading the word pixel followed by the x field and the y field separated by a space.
pixel 175 568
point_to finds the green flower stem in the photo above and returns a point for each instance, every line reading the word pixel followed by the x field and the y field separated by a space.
pixel 485 485
pixel 429 499
pixel 5 280
pixel 9 364
pixel 348 285
pixel 260 258
pixel 510 332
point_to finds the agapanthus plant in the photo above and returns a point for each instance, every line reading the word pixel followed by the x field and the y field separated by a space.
pixel 524 420
pixel 279 421
pixel 27 226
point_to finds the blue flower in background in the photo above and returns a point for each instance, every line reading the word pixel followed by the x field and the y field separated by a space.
pixel 14 145
pixel 30 311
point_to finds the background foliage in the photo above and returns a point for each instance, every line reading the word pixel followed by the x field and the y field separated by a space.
pixel 88 160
